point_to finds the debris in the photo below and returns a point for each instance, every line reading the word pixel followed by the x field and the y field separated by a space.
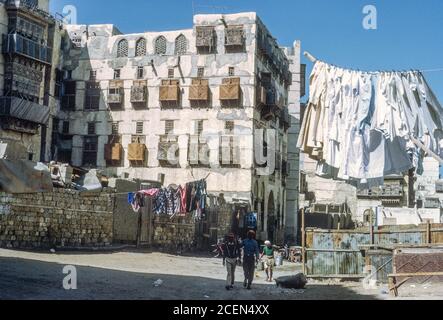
pixel 158 283
pixel 298 281
pixel 52 250
pixel 207 297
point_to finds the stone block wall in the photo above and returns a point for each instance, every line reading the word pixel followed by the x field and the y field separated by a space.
pixel 171 231
pixel 65 218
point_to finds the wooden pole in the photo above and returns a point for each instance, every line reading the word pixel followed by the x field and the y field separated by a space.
pixel 303 240
pixel 428 233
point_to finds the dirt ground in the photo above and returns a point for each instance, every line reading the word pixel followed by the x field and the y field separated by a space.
pixel 131 274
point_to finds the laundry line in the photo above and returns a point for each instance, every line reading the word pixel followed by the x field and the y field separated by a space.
pixel 314 59
pixel 419 144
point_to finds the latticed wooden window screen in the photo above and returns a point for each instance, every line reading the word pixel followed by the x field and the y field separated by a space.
pixel 181 44
pixel 160 45
pixel 140 47
pixel 122 48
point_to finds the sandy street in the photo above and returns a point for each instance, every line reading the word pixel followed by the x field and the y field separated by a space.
pixel 131 274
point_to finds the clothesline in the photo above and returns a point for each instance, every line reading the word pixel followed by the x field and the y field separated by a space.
pixel 313 59
pixel 415 141
pixel 125 193
pixel 360 128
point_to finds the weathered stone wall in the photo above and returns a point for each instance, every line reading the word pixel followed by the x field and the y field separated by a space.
pixel 64 217
pixel 176 231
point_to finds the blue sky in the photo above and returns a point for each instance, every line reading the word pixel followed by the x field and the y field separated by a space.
pixel 409 34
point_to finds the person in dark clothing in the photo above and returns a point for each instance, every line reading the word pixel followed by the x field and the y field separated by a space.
pixel 232 257
pixel 251 254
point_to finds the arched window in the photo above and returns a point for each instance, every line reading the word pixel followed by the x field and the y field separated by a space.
pixel 160 45
pixel 140 47
pixel 181 45
pixel 122 49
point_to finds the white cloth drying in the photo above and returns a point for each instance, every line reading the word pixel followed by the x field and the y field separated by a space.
pixel 358 125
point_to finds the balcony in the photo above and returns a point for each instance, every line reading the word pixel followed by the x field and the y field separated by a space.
pixel 199 90
pixel 24 110
pixel 234 36
pixel 113 152
pixel 169 91
pixel 29 6
pixel 205 37
pixel 115 93
pixel 230 89
pixel 139 92
pixel 14 43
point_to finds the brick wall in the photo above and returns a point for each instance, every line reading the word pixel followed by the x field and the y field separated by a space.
pixel 66 217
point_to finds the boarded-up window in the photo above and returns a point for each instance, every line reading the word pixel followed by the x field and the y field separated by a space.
pixel 160 45
pixel 181 45
pixel 122 49
pixel 140 47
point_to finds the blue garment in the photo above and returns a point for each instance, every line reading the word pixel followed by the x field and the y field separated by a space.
pixel 250 248
pixel 130 197
pixel 251 220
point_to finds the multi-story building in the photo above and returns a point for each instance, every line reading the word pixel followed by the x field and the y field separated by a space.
pixel 209 102
pixel 29 40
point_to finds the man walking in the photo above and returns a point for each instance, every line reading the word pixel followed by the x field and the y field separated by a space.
pixel 250 258
pixel 231 256
pixel 268 252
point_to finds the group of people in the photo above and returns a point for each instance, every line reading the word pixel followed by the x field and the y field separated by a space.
pixel 232 256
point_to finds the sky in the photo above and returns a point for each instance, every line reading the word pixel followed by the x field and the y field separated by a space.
pixel 409 33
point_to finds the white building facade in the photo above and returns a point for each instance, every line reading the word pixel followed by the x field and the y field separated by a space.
pixel 218 102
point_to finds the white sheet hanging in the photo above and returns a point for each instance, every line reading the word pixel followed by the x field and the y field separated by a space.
pixel 363 126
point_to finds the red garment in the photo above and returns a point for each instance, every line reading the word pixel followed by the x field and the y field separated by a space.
pixel 151 192
pixel 182 199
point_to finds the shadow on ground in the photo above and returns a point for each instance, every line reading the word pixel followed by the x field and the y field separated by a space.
pixel 30 279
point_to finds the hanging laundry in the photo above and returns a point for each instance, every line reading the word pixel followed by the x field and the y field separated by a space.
pixel 150 192
pixel 182 191
pixel 131 197
pixel 137 202
pixel 361 127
